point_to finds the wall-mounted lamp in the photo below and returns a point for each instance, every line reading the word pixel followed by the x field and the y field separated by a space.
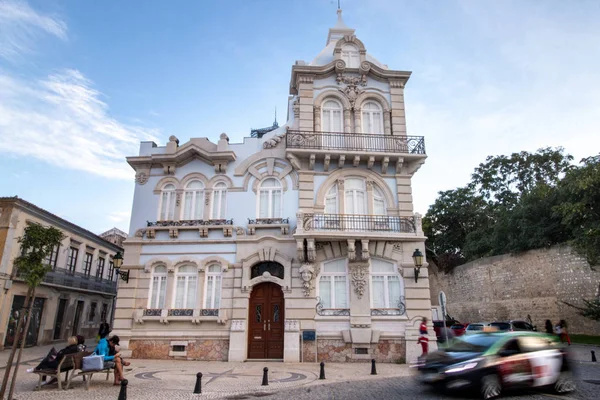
pixel 118 261
pixel 418 260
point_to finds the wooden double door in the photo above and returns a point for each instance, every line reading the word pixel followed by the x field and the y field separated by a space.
pixel 265 322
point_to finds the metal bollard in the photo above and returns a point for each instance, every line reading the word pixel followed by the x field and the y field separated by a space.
pixel 373 369
pixel 265 377
pixel 593 356
pixel 123 391
pixel 322 374
pixel 198 388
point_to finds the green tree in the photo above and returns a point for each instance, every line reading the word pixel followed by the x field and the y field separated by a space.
pixel 580 207
pixel 37 243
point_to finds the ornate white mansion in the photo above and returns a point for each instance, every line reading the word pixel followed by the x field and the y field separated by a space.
pixel 296 244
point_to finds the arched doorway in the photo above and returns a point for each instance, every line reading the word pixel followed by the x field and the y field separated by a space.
pixel 265 322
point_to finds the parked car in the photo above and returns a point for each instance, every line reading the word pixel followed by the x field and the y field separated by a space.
pixel 438 325
pixel 514 326
pixel 476 327
pixel 495 362
pixel 459 329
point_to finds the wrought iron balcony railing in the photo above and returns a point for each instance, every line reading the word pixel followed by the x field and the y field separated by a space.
pixel 190 222
pixel 379 143
pixel 78 280
pixel 358 223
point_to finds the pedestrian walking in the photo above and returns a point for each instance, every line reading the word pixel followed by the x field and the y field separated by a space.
pixel 423 339
pixel 564 334
pixel 549 327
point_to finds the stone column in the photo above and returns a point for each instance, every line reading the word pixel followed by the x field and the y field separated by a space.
pixel 387 123
pixel 306 99
pixel 291 341
pixel 169 299
pixel 317 118
pixel 370 210
pixel 398 117
pixel 347 121
pixel 357 121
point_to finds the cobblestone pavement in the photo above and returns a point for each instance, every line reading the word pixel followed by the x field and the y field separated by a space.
pixel 159 379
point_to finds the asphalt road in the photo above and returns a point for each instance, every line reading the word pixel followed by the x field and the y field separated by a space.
pixel 587 380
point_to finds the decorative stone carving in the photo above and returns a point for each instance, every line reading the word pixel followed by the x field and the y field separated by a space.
pixel 292 325
pixel 274 141
pixel 307 272
pixel 141 178
pixel 365 249
pixel 207 198
pixel 300 250
pixel 238 325
pixel 352 80
pixel 341 160
pixel 358 274
pixel 397 84
pixel 384 165
pixel 352 92
pixel 351 250
pixel 418 223
pixel 140 233
pixel 371 162
pixel 311 251
pixel 150 233
pixel 326 162
pixel 138 316
pixel 296 108
pixel 294 161
pixel 173 233
pixel 178 199
pixel 240 231
pixel 311 163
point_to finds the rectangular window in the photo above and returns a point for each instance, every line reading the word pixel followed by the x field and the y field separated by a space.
pixel 111 270
pixel 104 313
pixel 213 291
pixel 52 257
pixel 385 284
pixel 100 269
pixel 92 314
pixel 333 285
pixel 158 291
pixel 72 259
pixel 186 292
pixel 87 264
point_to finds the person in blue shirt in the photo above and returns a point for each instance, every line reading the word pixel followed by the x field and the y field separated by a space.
pixel 112 358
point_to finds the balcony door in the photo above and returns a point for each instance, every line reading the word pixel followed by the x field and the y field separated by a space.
pixel 355 202
pixel 265 333
pixel 332 125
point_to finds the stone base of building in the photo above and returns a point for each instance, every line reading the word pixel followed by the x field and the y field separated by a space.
pixel 191 349
pixel 337 350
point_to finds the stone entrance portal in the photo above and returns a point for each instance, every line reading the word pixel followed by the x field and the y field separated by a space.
pixel 265 322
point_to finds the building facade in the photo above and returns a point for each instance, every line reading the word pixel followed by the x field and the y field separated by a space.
pixel 296 244
pixel 115 236
pixel 75 296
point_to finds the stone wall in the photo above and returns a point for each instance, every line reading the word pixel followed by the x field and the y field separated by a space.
pixel 534 283
pixel 336 350
pixel 201 349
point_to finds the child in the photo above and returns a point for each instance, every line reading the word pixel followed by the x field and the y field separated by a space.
pixel 423 339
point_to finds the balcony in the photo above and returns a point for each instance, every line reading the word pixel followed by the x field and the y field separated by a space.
pixel 78 280
pixel 173 227
pixel 355 148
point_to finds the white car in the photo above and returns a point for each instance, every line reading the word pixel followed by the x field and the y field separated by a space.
pixel 476 327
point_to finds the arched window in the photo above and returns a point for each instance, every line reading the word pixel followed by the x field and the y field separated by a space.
pixel 167 203
pixel 378 201
pixel 332 118
pixel 186 280
pixel 350 55
pixel 158 287
pixel 269 199
pixel 386 284
pixel 193 206
pixel 355 196
pixel 333 284
pixel 372 118
pixel 219 201
pixel 331 200
pixel 212 292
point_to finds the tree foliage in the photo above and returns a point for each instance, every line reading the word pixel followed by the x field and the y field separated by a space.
pixel 37 243
pixel 515 203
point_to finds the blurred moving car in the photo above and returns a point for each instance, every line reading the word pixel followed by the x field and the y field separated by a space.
pixel 439 324
pixel 495 362
pixel 514 325
pixel 459 329
pixel 476 327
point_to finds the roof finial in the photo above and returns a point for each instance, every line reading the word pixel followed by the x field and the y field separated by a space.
pixel 339 7
pixel 275 123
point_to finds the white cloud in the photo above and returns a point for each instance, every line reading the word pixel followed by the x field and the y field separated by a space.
pixel 62 120
pixel 21 26
pixel 120 216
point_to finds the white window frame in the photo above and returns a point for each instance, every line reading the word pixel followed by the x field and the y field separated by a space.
pixel 170 208
pixel 220 187
pixel 161 286
pixel 350 55
pixel 355 196
pixel 333 193
pixel 369 116
pixel 331 111
pixel 331 277
pixel 186 287
pixel 195 193
pixel 386 275
pixel 270 190
pixel 214 276
pixel 380 197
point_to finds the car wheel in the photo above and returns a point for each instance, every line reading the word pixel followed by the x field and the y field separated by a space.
pixel 564 383
pixel 490 387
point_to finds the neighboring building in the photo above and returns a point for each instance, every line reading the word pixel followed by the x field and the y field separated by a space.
pixel 115 236
pixel 295 244
pixel 75 296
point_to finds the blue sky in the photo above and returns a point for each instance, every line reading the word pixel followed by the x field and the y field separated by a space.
pixel 82 82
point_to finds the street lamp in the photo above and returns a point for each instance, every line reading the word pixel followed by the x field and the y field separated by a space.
pixel 418 260
pixel 118 261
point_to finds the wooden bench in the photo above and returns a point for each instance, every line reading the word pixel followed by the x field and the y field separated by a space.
pixel 77 361
pixel 65 365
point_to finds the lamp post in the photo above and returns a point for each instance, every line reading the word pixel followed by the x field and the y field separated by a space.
pixel 118 261
pixel 418 260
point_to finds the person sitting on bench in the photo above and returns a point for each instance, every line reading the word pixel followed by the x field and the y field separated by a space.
pixel 51 363
pixel 105 348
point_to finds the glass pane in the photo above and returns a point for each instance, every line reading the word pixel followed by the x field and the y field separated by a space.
pixel 191 294
pixel 276 313
pixel 214 268
pixel 325 291
pixel 264 204
pixel 276 204
pixel 187 210
pixel 378 292
pixel 378 207
pixel 350 206
pixel 180 292
pixel 341 295
pixel 217 292
pixel 335 266
pixel 271 183
pixel 377 122
pixel 337 121
pixel 188 269
pixel 331 205
pixel 381 266
pixel 209 291
pixel 155 292
pixel 195 185
pixel 199 205
pixel 162 292
pixel 361 203
pixel 223 203
pixel 163 205
pixel 394 291
pixel 259 313
pixel 326 122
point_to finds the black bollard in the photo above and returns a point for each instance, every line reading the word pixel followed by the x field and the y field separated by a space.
pixel 373 369
pixel 322 374
pixel 123 391
pixel 198 388
pixel 265 377
pixel 593 356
